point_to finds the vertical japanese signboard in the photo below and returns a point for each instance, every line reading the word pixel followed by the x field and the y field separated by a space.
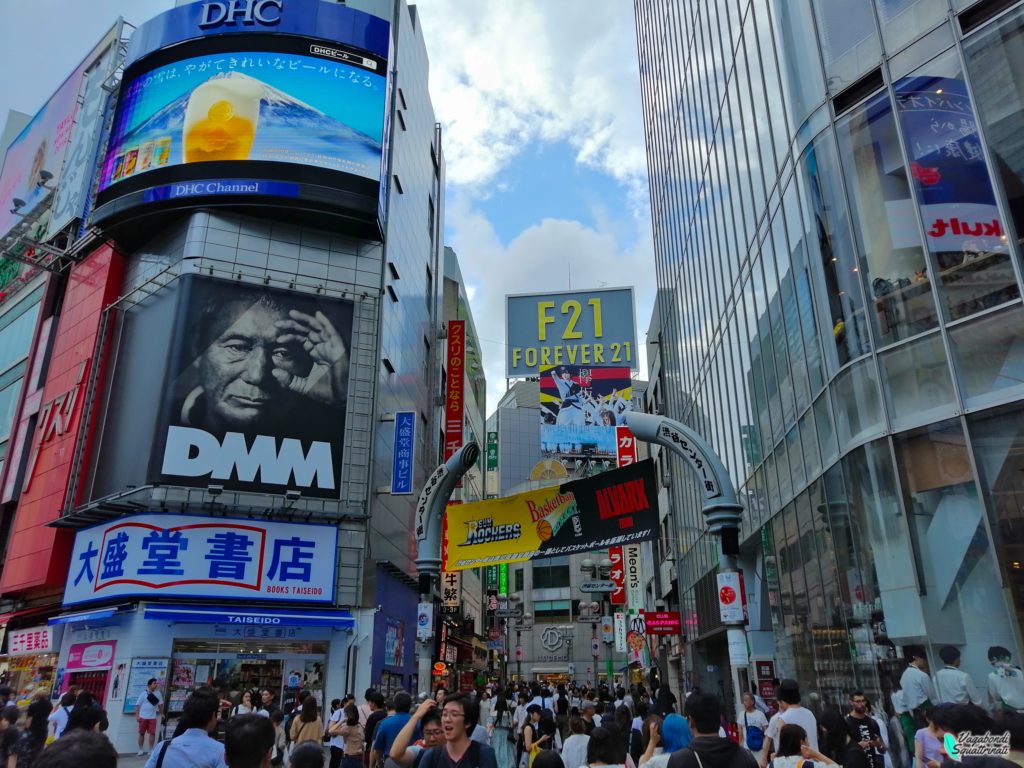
pixel 401 461
pixel 456 387
pixel 492 451
pixel 625 447
pixel 503 579
pixel 617 576
pixel 451 591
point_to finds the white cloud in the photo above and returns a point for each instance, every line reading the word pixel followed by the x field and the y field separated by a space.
pixel 539 259
pixel 507 74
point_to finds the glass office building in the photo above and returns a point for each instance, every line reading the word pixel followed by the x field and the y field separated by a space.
pixel 837 190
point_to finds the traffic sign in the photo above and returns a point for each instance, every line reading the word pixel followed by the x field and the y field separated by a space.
pixel 508 613
pixel 599 585
pixel 493 633
pixel 595 647
pixel 519 653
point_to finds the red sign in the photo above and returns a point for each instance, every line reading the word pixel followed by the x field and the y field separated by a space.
pixel 663 623
pixel 765 669
pixel 625 447
pixel 37 555
pixel 766 689
pixel 617 575
pixel 727 595
pixel 453 406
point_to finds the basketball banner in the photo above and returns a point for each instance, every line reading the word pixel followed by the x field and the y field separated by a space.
pixel 609 509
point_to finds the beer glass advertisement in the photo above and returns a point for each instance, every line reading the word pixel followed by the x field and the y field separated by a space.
pixel 256 390
pixel 325 111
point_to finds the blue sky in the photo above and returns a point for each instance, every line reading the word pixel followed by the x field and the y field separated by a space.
pixel 543 137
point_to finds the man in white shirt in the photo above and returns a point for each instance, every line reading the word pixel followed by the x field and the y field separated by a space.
pixel 196 747
pixel 147 711
pixel 952 684
pixel 918 693
pixel 790 713
pixel 1005 681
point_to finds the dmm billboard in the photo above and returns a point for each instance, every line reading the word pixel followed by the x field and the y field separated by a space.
pixel 255 395
pixel 569 328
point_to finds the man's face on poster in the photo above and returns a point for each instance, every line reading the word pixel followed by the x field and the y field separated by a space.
pixel 236 370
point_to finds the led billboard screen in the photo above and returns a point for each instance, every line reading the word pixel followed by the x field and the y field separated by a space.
pixel 256 392
pixel 250 106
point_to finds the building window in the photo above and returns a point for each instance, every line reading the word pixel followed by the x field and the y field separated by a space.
pixel 550 576
pixel 398 185
pixel 387 365
pixel 401 120
pixel 518 580
pixel 552 611
pixel 430 215
pixel 401 99
pixel 394 271
pixel 430 286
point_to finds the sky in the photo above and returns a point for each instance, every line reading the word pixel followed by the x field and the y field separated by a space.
pixel 543 138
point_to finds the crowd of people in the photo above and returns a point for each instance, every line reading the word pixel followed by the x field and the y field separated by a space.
pixel 516 726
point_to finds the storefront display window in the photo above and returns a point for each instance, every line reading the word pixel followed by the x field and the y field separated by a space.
pixel 283 668
pixel 960 592
pixel 998 440
pixel 893 266
pixel 964 230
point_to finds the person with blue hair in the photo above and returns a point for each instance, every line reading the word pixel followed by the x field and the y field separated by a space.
pixel 673 735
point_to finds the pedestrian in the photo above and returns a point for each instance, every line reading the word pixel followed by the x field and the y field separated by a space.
pixel 310 754
pixel 604 749
pixel 503 735
pixel 548 759
pixel 790 712
pixel 928 751
pixel 794 748
pixel 1005 681
pixel 307 726
pixel 33 736
pixel 59 716
pixel 195 746
pixel 918 694
pixel 248 742
pixel 957 719
pixel 378 713
pixel 458 719
pixel 574 748
pixel 280 738
pixel 9 733
pixel 591 719
pixel 389 728
pixel 952 684
pixel 245 705
pixel 755 725
pixel 841 745
pixel 267 704
pixel 148 707
pixel 665 703
pixel 348 738
pixel 864 731
pixel 79 749
pixel 708 749
pixel 672 735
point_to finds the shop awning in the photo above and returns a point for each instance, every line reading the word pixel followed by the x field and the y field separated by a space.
pixel 262 617
pixel 28 613
pixel 97 614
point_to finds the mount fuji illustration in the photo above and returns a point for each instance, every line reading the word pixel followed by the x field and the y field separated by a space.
pixel 288 131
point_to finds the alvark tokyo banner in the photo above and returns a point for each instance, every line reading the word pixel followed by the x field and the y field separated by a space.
pixel 609 509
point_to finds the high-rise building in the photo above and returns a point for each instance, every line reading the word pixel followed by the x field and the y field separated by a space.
pixel 836 198
pixel 223 357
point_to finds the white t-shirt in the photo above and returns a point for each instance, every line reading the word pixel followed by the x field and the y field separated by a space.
pixel 148 711
pixel 336 716
pixel 794 716
pixel 754 719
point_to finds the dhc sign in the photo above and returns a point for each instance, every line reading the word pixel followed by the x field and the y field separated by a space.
pixel 247 12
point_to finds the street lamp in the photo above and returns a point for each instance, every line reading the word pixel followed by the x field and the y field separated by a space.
pixel 594 570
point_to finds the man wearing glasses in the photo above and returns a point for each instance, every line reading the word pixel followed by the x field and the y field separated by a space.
pixel 458 719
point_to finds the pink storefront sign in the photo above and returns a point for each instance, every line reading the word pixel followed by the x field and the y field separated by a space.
pixel 91 656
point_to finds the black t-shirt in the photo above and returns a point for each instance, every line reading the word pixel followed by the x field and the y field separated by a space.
pixel 371 726
pixel 477 756
pixel 866 729
pixel 8 739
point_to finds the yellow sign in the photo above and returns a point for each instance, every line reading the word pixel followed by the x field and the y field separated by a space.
pixel 610 509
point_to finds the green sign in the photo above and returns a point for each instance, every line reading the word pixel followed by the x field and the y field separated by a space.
pixel 492 450
pixel 491 577
pixel 503 579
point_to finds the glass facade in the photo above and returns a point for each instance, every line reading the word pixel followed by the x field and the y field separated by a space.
pixel 836 192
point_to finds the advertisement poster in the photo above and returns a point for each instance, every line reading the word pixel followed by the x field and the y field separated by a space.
pixel 616 507
pixel 255 396
pixel 141 671
pixel 576 328
pixel 184 673
pixel 255 105
pixel 580 408
pixel 637 651
pixel 85 656
pixel 394 643
pixel 197 556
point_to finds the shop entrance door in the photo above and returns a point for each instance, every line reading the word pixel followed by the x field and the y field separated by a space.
pixel 92 682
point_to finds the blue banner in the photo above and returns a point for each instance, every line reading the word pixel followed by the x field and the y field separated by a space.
pixel 401 461
pixel 222 187
pixel 263 617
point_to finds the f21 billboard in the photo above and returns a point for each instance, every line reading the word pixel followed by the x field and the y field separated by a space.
pixel 255 393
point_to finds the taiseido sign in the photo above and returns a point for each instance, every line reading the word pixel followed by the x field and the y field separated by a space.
pixel 250 12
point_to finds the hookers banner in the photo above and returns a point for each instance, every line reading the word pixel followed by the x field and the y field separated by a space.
pixel 612 508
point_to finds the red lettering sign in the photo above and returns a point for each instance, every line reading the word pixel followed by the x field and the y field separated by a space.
pixel 618 576
pixel 456 383
pixel 663 623
pixel 625 447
